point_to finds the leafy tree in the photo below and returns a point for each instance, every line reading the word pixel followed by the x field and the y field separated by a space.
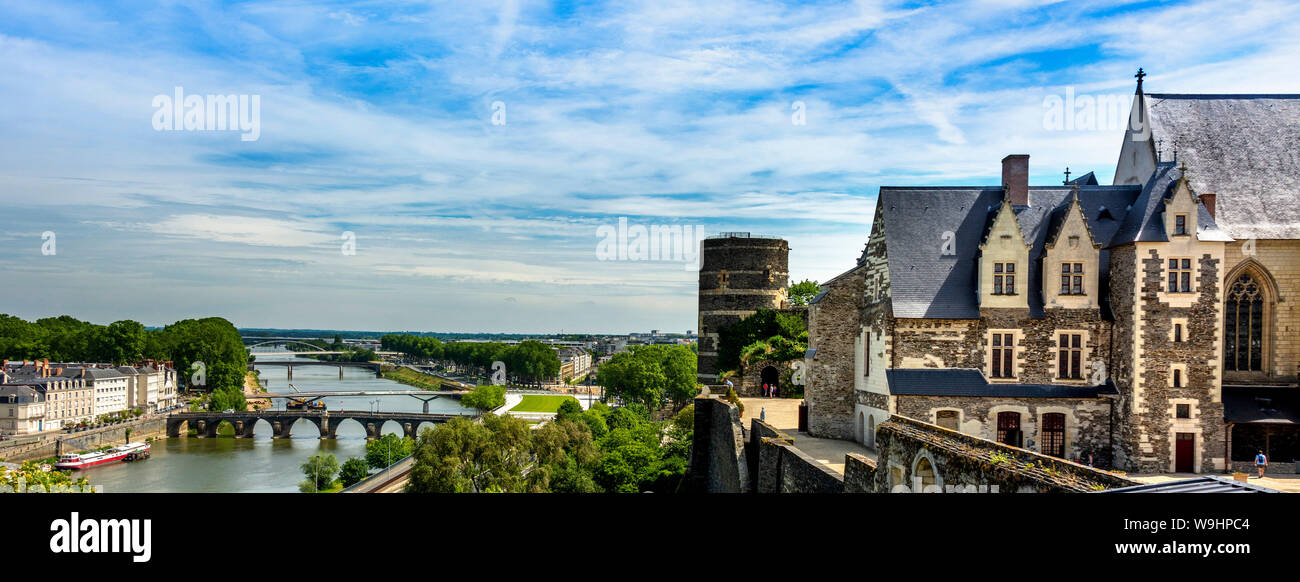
pixel 803 292
pixel 354 470
pixel 485 398
pixel 763 325
pixel 464 456
pixel 320 471
pixel 388 449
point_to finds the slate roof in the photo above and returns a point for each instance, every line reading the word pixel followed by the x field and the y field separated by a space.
pixel 1145 222
pixel 1206 484
pixel 1245 149
pixel 1088 179
pixel 969 382
pixel 924 283
pixel 18 395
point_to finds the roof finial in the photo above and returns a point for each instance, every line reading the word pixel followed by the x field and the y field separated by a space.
pixel 1067 176
pixel 1139 76
pixel 1074 192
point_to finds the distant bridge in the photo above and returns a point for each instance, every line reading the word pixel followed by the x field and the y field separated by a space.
pixel 423 395
pixel 373 366
pixel 282 422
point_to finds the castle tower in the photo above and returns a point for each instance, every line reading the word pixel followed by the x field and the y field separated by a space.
pixel 739 274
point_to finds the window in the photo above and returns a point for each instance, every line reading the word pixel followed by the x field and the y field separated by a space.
pixel 1178 332
pixel 1054 434
pixel 1183 411
pixel 1243 328
pixel 866 355
pixel 1071 278
pixel 947 419
pixel 1180 224
pixel 1009 428
pixel 1004 278
pixel 1180 275
pixel 1004 347
pixel 1178 378
pixel 1070 349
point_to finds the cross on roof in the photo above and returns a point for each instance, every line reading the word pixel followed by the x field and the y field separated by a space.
pixel 1139 76
pixel 1067 176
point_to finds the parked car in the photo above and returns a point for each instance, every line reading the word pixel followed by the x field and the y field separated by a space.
pixel 228 411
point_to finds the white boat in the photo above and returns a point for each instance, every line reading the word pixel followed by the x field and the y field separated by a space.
pixel 129 451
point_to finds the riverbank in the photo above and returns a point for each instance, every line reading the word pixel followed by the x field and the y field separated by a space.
pixel 410 377
pixel 252 389
pixel 54 444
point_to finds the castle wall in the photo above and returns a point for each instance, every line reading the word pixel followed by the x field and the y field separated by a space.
pixel 738 276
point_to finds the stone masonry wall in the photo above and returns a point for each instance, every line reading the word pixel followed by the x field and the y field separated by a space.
pixel 782 468
pixel 718 462
pixel 1087 421
pixel 832 329
pixel 942 458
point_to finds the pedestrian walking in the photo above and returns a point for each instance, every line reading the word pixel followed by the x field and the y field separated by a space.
pixel 1261 463
pixel 762 414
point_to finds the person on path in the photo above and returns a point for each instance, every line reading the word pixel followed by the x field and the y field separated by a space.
pixel 1261 463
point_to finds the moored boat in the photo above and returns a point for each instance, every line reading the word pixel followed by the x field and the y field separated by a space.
pixel 94 458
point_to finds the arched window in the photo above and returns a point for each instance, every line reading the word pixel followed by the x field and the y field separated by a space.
pixel 1243 326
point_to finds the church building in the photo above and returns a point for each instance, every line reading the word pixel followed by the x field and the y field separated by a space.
pixel 1143 325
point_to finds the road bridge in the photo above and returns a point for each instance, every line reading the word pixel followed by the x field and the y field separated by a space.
pixel 282 422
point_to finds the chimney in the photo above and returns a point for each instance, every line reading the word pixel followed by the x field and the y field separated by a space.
pixel 1015 179
pixel 1208 200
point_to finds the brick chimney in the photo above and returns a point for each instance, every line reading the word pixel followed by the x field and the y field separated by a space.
pixel 1015 179
pixel 1208 200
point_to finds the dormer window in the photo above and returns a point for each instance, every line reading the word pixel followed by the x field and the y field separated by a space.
pixel 1180 224
pixel 1004 278
pixel 1071 278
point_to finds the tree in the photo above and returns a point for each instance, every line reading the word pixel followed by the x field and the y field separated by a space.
pixel 763 325
pixel 388 449
pixel 803 292
pixel 354 470
pixel 485 398
pixel 320 471
pixel 463 456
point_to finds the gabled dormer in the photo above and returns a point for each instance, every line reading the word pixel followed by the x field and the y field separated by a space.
pixel 1071 260
pixel 1004 262
pixel 1180 210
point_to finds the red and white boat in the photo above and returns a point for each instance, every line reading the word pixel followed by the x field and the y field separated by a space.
pixel 127 452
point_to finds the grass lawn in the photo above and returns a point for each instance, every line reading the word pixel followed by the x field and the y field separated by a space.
pixel 541 403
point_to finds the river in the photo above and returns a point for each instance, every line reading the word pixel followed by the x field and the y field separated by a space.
pixel 263 464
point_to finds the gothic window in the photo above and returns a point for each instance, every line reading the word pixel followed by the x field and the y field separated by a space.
pixel 1180 275
pixel 1054 434
pixel 1070 350
pixel 1071 278
pixel 1243 327
pixel 1004 347
pixel 1004 278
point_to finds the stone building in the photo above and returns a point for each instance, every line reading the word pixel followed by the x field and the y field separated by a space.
pixel 1141 324
pixel 740 273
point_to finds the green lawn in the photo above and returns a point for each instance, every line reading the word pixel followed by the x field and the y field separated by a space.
pixel 541 403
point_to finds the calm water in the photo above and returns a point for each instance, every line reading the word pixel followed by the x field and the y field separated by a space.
pixel 261 464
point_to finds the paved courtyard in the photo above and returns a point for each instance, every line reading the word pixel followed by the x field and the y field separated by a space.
pixel 1286 483
pixel 783 415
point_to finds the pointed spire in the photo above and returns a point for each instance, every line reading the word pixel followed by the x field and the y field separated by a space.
pixel 1140 74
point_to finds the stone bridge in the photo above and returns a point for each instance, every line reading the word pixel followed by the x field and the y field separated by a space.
pixel 375 367
pixel 282 421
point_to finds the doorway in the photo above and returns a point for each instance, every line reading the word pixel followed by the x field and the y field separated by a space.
pixel 1009 428
pixel 1184 452
pixel 771 377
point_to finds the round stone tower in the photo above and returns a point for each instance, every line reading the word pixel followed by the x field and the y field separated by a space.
pixel 740 273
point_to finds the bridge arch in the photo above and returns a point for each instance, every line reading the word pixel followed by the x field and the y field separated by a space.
pixel 390 425
pixel 261 428
pixel 297 423
pixel 314 347
pixel 419 428
pixel 350 427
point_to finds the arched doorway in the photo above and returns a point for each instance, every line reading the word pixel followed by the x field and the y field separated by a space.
pixel 771 377
pixel 862 433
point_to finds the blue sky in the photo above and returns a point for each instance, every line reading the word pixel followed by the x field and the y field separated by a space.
pixel 376 118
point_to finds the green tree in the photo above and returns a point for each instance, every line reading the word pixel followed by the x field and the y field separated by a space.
pixel 763 325
pixel 803 292
pixel 485 398
pixel 463 456
pixel 320 471
pixel 388 449
pixel 354 470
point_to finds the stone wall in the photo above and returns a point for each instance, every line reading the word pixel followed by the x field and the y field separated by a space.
pixel 945 459
pixel 832 330
pixel 859 473
pixel 1087 420
pixel 782 468
pixel 718 463
pixel 63 443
